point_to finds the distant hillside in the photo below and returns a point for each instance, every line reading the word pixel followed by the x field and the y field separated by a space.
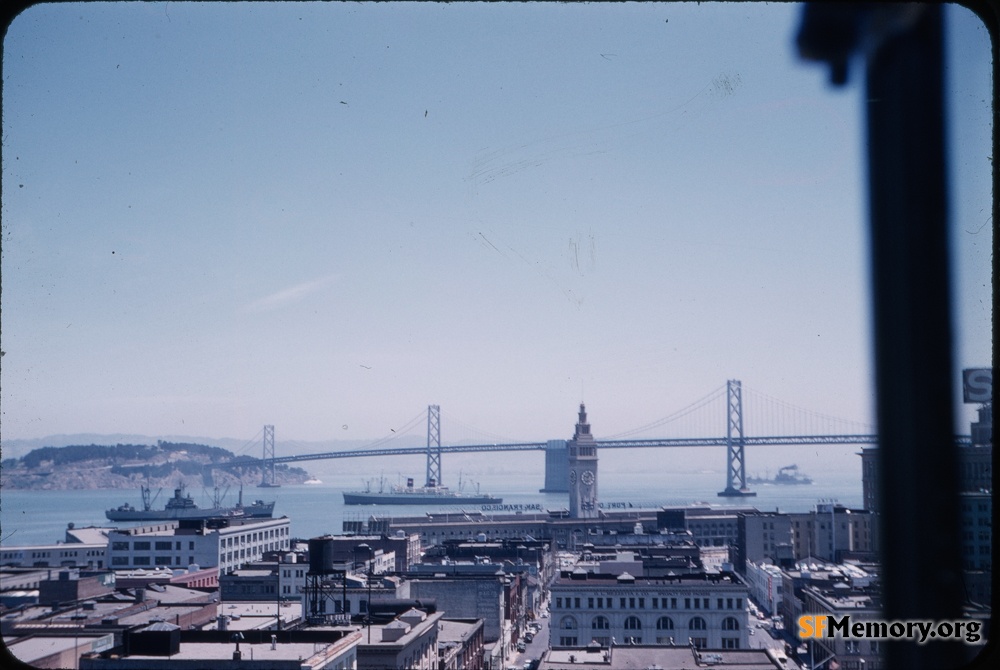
pixel 126 466
pixel 16 448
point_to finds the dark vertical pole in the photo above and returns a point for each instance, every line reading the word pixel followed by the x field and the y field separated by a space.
pixel 368 613
pixel 913 339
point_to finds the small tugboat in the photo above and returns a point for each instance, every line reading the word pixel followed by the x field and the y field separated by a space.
pixel 787 475
pixel 182 506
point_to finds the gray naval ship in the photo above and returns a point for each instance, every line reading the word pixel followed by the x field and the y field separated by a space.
pixel 182 506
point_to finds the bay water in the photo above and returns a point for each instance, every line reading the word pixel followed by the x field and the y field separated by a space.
pixel 41 517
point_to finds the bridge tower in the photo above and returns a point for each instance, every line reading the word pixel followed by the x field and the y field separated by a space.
pixel 736 472
pixel 556 467
pixel 433 445
pixel 267 479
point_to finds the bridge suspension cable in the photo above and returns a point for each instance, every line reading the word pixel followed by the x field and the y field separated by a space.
pixel 252 444
pixel 396 433
pixel 686 411
pixel 767 415
pixel 477 433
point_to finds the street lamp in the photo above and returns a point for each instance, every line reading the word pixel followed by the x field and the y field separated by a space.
pixel 368 580
pixel 237 655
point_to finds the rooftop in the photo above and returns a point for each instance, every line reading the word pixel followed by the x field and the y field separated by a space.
pixel 581 577
pixel 639 657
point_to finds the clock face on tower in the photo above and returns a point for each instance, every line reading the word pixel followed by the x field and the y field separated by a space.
pixel 587 477
pixel 572 476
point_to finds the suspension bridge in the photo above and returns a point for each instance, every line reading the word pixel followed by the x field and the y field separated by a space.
pixel 735 440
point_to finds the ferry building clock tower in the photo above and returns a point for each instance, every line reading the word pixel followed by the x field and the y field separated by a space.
pixel 582 470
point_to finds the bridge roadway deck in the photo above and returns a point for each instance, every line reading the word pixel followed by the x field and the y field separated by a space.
pixel 774 440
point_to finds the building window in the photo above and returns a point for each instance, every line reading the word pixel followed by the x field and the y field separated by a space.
pixel 600 623
pixel 141 546
pixel 700 642
pixel 633 623
pixel 664 623
pixel 568 623
pixel 567 641
pixel 730 623
pixel 697 623
pixel 730 643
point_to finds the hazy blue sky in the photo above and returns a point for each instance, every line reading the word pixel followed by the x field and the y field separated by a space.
pixel 328 216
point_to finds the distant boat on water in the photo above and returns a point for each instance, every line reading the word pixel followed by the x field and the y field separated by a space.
pixel 182 506
pixel 788 475
pixel 431 494
pixel 312 480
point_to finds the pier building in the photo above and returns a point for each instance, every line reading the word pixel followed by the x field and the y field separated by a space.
pixel 555 526
pixel 613 524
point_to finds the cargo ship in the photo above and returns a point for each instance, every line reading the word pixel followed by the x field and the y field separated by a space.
pixel 182 506
pixel 431 494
